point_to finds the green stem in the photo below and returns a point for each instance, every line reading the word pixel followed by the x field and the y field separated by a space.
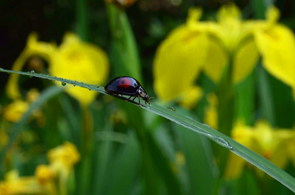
pixel 124 53
pixel 265 96
pixel 87 150
pixel 226 101
pixel 82 19
pixel 245 100
pixel 225 110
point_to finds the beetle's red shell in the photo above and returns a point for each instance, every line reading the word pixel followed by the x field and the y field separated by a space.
pixel 125 82
pixel 123 85
pixel 126 86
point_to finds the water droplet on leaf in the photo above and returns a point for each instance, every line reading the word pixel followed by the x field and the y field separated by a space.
pixel 221 141
pixel 63 84
pixel 32 72
pixel 171 108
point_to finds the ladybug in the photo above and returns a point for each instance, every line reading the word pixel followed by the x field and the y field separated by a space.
pixel 127 86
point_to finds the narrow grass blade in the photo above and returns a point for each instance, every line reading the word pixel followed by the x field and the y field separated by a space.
pixel 197 127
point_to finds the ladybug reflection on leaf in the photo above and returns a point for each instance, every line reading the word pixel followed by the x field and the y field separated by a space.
pixel 127 86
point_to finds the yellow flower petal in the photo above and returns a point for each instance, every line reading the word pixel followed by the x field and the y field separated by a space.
pixel 229 29
pixel 245 60
pixel 215 61
pixel 189 98
pixel 45 174
pixel 32 95
pixel 279 156
pixel 271 143
pixel 82 62
pixel 228 12
pixel 65 156
pixel 291 148
pixel 234 166
pixel 14 111
pixel 277 47
pixel 194 14
pixel 211 114
pixel 43 49
pixel 14 184
pixel 33 47
pixel 228 36
pixel 178 62
pixel 272 15
pixel 242 134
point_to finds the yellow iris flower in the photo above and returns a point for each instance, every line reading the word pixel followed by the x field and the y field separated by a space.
pixel 80 61
pixel 15 110
pixel 33 47
pixel 45 174
pixel 14 184
pixel 73 59
pixel 276 145
pixel 208 46
pixel 62 160
pixel 179 60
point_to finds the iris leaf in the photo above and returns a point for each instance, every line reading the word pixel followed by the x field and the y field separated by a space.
pixel 197 127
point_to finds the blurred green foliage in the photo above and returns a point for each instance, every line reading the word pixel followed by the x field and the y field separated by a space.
pixel 123 149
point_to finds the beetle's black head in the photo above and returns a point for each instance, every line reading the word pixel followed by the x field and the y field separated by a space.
pixel 144 95
pixel 146 98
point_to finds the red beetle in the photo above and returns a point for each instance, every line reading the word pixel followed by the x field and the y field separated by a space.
pixel 127 86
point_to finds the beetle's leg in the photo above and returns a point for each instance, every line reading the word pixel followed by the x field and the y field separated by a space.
pixel 135 98
pixel 128 99
pixel 132 99
pixel 139 100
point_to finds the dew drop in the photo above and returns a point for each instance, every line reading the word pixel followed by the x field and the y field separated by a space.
pixel 97 86
pixel 32 71
pixel 171 108
pixel 221 141
pixel 63 84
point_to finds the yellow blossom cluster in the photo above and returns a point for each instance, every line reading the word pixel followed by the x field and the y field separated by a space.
pixel 62 159
pixel 210 46
pixel 15 110
pixel 276 145
pixel 73 59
